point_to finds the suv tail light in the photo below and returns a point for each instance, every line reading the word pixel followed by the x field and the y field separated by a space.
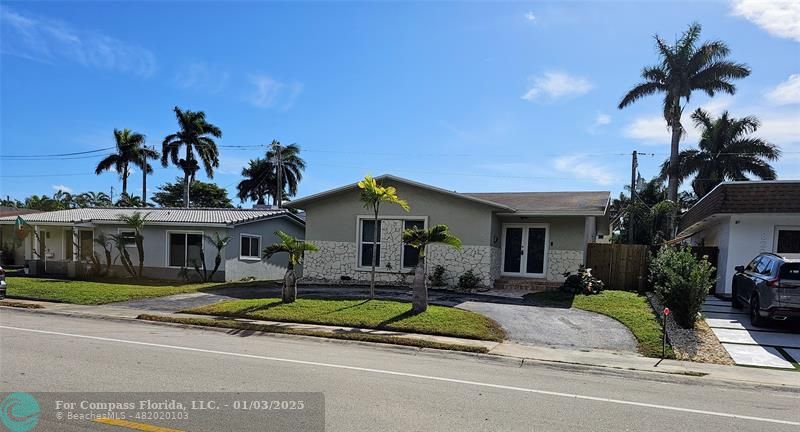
pixel 776 283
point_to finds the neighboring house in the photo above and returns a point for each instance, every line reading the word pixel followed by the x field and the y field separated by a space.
pixel 9 243
pixel 173 238
pixel 743 219
pixel 536 235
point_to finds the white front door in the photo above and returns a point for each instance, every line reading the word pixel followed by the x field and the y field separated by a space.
pixel 525 248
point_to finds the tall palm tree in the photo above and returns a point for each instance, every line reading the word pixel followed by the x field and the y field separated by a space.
pixel 727 151
pixel 195 135
pixel 684 68
pixel 296 249
pixel 96 199
pixel 66 199
pixel 290 167
pixel 259 181
pixel 130 151
pixel 420 238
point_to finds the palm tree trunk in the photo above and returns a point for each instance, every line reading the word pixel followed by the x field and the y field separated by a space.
pixel 186 189
pixel 289 286
pixel 419 299
pixel 374 253
pixel 674 168
pixel 140 250
pixel 125 179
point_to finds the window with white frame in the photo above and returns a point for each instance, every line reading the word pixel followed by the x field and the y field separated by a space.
pixel 367 227
pixel 250 247
pixel 183 249
pixel 788 241
pixel 410 253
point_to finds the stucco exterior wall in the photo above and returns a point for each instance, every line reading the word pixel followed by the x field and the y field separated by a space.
pixel 237 267
pixel 740 238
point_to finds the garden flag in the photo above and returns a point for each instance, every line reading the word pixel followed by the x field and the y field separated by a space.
pixel 19 228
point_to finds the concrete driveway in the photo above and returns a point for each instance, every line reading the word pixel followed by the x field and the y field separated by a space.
pixel 776 346
pixel 524 323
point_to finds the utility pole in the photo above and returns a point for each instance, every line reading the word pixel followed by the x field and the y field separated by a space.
pixel 634 167
pixel 112 195
pixel 279 189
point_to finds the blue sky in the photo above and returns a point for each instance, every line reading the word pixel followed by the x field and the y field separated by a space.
pixel 467 96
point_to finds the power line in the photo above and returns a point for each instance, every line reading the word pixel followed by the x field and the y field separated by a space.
pixel 57 154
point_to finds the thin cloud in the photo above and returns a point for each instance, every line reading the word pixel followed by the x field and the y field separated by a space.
pixel 556 85
pixel 203 77
pixel 787 92
pixel 530 16
pixel 600 121
pixel 61 187
pixel 267 92
pixel 582 167
pixel 779 18
pixel 50 41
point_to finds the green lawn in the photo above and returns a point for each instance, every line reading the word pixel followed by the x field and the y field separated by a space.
pixel 84 292
pixel 380 314
pixel 629 308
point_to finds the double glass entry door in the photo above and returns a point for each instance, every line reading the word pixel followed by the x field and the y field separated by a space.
pixel 524 250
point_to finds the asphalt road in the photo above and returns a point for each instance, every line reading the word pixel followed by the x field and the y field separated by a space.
pixel 366 387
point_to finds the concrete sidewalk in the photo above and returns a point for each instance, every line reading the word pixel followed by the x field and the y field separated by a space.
pixel 523 353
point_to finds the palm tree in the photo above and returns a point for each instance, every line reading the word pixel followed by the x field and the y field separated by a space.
pixel 96 199
pixel 289 171
pixel 196 136
pixel 219 243
pixel 295 248
pixel 684 68
pixel 65 198
pixel 136 221
pixel 727 151
pixel 130 151
pixel 420 238
pixel 105 243
pixel 259 181
pixel 43 203
pixel 126 200
pixel 373 195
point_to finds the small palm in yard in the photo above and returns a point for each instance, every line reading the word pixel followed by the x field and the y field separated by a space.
pixel 295 248
pixel 420 239
pixel 136 221
pixel 373 195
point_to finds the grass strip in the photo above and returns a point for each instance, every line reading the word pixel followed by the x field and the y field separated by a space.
pixel 629 308
pixel 373 314
pixel 361 337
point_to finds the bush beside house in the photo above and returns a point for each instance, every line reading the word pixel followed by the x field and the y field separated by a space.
pixel 681 282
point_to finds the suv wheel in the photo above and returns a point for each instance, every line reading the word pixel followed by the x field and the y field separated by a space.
pixel 735 302
pixel 755 316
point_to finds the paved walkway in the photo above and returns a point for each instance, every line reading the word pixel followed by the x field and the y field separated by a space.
pixel 775 346
pixel 523 322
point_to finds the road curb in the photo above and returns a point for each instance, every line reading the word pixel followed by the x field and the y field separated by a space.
pixel 661 376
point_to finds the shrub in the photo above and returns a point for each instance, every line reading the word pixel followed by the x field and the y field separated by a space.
pixel 468 280
pixel 681 282
pixel 437 277
pixel 582 282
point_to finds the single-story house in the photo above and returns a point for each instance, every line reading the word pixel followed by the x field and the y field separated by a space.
pixel 172 237
pixel 536 235
pixel 743 219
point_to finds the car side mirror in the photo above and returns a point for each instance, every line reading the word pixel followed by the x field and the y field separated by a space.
pixel 739 269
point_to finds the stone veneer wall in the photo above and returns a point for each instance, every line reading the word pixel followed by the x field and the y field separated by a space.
pixel 559 261
pixel 337 259
pixel 456 262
